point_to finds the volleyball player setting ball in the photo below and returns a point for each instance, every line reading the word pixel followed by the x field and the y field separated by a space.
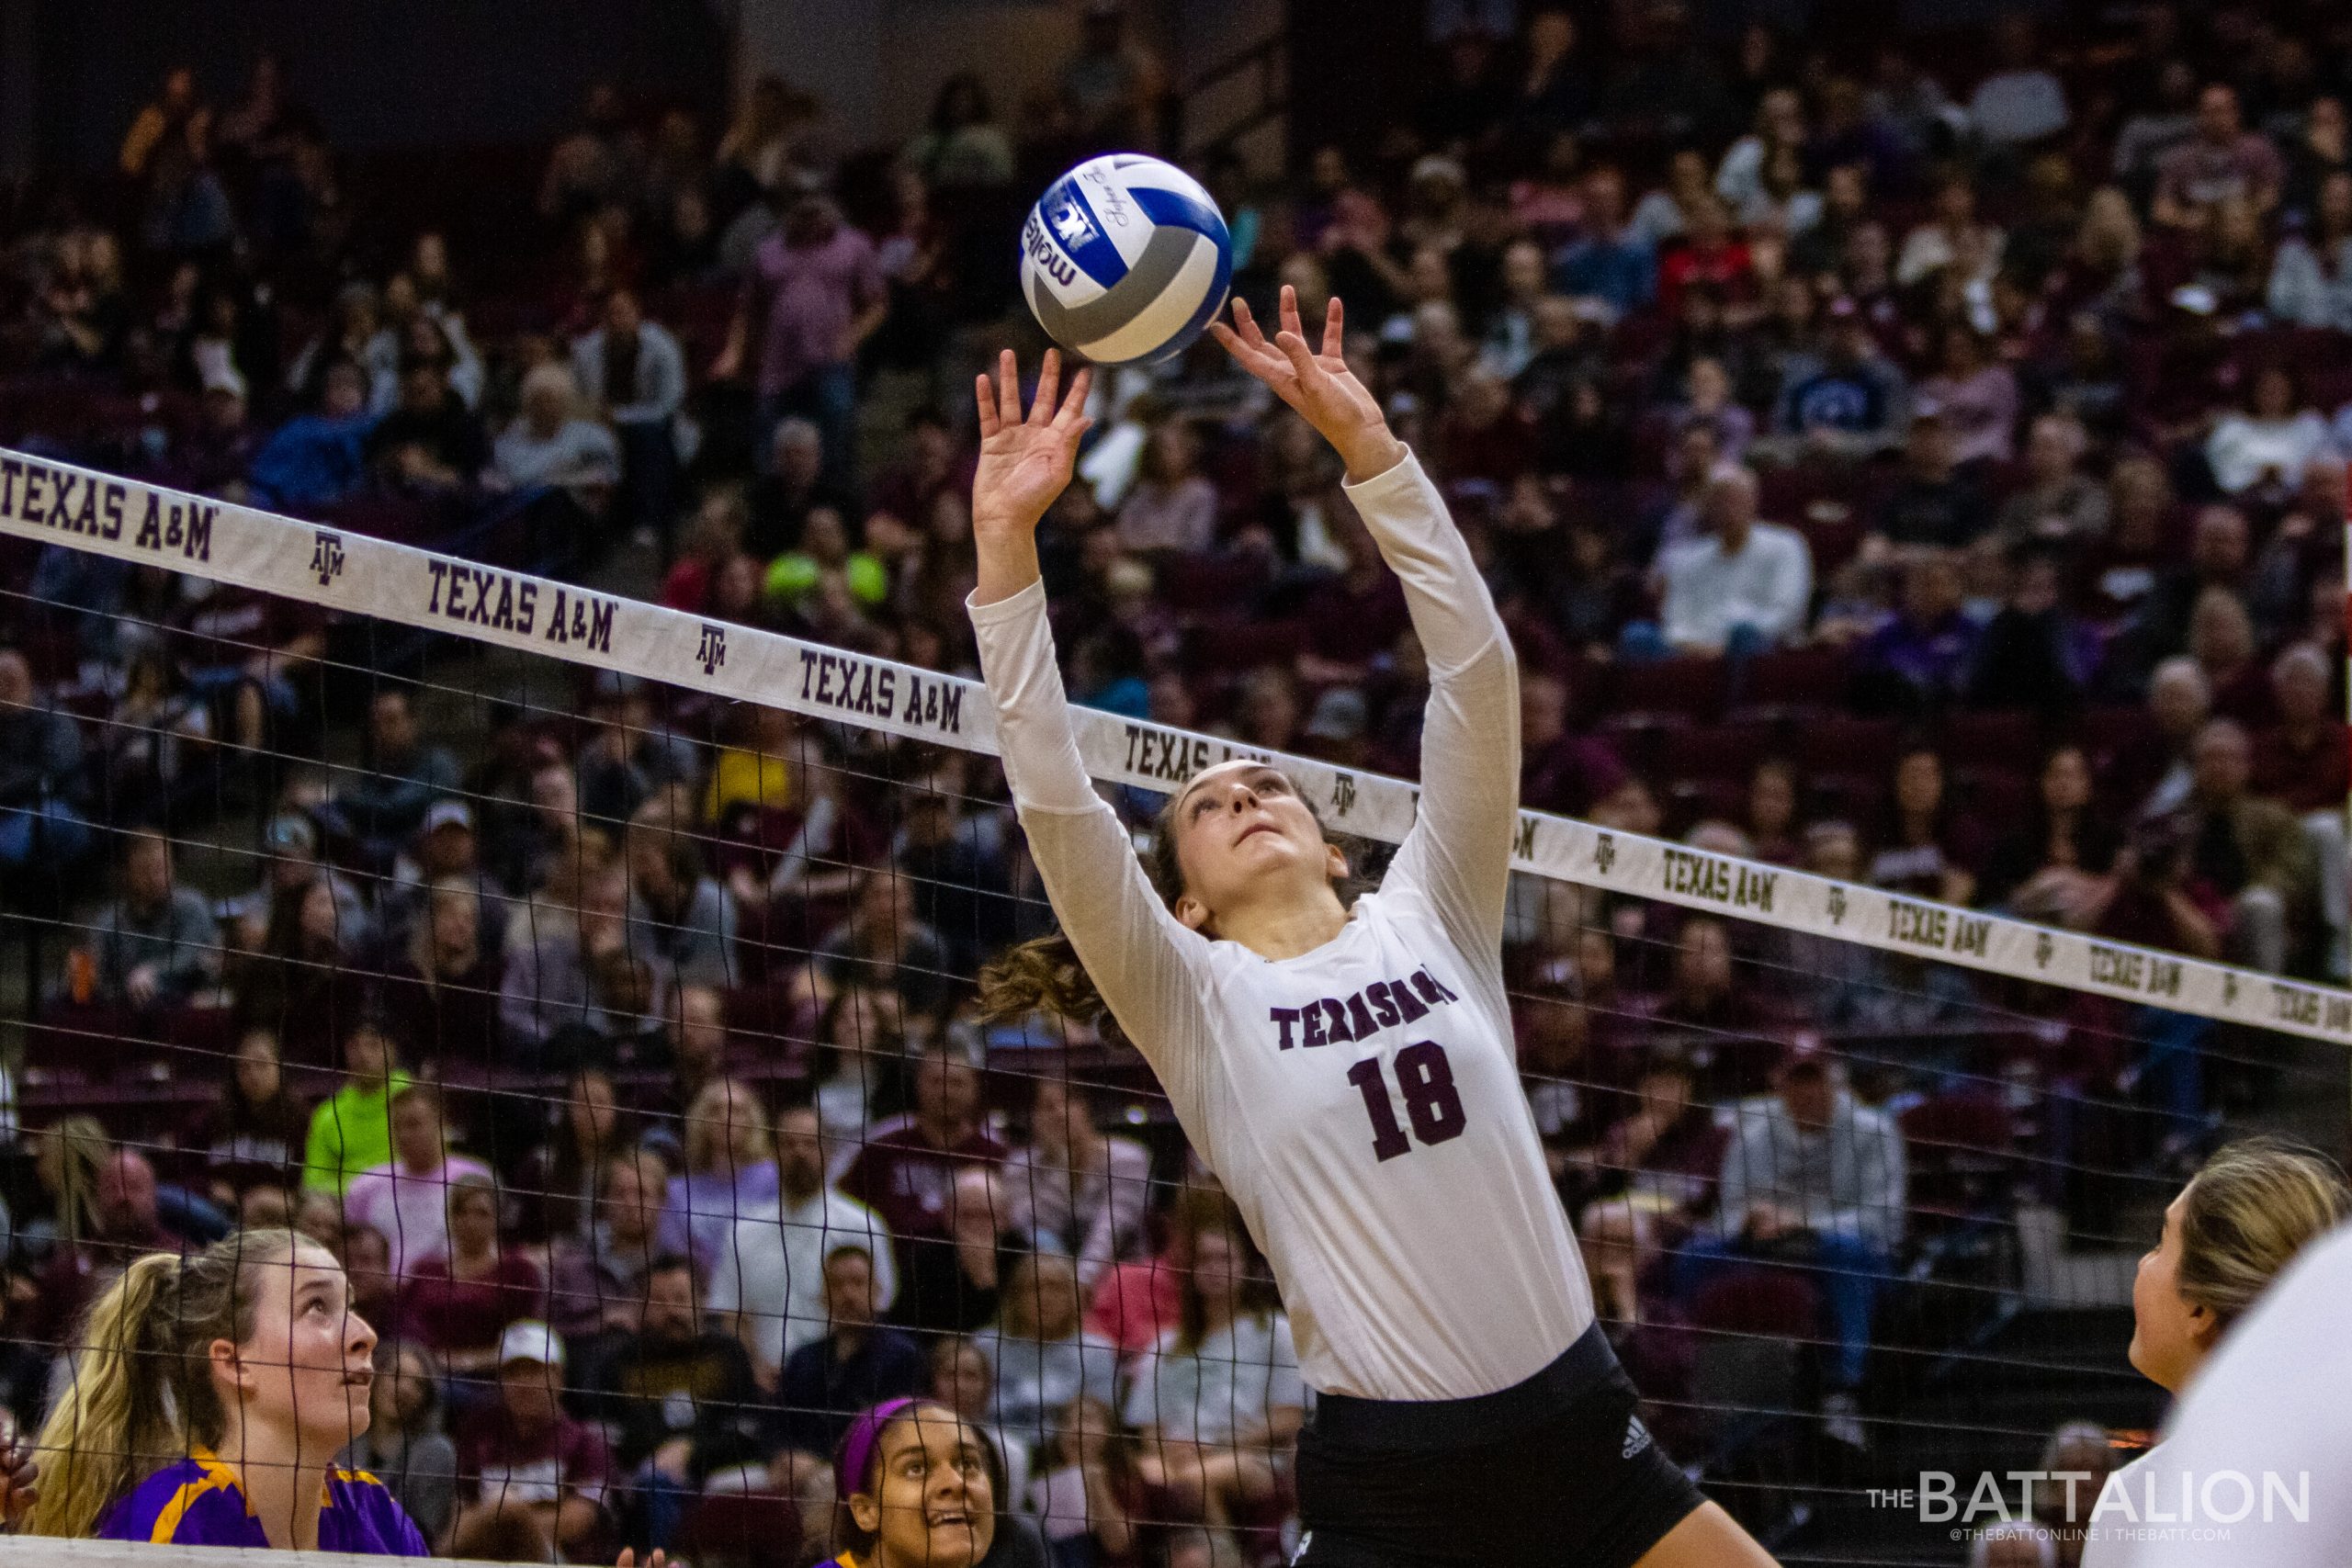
pixel 1349 1073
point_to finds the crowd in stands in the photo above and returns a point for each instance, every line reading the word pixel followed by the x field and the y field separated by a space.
pixel 1922 464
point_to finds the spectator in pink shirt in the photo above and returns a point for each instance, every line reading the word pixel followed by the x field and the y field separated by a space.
pixel 407 1201
pixel 815 291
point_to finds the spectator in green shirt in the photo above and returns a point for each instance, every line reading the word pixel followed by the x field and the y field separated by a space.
pixel 352 1132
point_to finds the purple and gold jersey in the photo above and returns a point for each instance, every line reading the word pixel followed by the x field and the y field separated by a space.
pixel 197 1501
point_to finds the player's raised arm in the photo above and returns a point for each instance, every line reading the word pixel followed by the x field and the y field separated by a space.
pixel 1459 852
pixel 1118 927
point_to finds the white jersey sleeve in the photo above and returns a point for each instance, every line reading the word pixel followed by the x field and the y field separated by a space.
pixel 1457 856
pixel 1141 958
pixel 2257 1445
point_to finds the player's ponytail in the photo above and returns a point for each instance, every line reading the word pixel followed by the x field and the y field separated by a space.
pixel 141 1393
pixel 1043 975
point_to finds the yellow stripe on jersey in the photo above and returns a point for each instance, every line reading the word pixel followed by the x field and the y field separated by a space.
pixel 168 1522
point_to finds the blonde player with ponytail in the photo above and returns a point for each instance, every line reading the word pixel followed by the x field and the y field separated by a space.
pixel 2242 1218
pixel 1347 1070
pixel 210 1394
pixel 208 1398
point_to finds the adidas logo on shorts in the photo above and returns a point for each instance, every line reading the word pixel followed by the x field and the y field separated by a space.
pixel 1637 1438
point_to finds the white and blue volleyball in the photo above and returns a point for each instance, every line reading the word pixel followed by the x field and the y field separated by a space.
pixel 1125 260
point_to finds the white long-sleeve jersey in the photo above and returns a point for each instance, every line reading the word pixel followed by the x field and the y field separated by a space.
pixel 1361 1102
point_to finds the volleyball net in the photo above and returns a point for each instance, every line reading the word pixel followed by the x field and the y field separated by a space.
pixel 599 982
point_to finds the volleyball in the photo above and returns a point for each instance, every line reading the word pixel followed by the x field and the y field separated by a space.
pixel 1125 260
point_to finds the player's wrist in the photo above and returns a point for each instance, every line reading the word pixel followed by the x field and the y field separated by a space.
pixel 1369 452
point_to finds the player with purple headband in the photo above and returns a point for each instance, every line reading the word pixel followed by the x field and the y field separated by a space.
pixel 915 1480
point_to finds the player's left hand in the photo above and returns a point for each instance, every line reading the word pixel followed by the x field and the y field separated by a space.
pixel 19 1482
pixel 1318 383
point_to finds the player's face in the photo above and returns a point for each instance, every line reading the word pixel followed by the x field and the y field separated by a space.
pixel 308 1367
pixel 1240 826
pixel 2169 1336
pixel 931 1506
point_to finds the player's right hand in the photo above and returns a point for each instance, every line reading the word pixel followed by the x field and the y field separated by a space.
pixel 1025 464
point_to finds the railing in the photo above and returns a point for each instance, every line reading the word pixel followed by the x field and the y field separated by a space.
pixel 1259 73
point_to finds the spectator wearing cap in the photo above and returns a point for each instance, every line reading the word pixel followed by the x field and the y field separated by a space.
pixel 2222 160
pixel 767 1280
pixel 157 944
pixel 534 1478
pixel 405 1199
pixel 857 1362
pixel 1936 503
pixel 2021 102
pixel 1743 588
pixel 217 452
pixel 1848 401
pixel 927 1175
pixel 1812 1174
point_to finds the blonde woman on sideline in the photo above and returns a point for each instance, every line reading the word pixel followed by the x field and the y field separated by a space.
pixel 238 1373
pixel 2237 1225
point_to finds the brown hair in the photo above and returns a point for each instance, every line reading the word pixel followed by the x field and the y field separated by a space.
pixel 141 1390
pixel 2244 1218
pixel 1044 975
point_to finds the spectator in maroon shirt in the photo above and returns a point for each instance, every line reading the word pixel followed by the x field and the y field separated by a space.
pixel 814 292
pixel 459 1304
pixel 1929 849
pixel 1559 769
pixel 1667 1150
pixel 536 1476
pixel 926 1174
pixel 123 1222
pixel 1775 809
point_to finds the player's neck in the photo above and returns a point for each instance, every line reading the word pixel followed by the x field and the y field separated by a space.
pixel 1286 930
pixel 283 1497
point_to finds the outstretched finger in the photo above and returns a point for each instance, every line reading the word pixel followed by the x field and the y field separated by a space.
pixel 984 393
pixel 1302 360
pixel 1043 406
pixel 1008 388
pixel 1246 324
pixel 1290 313
pixel 1335 330
pixel 1071 415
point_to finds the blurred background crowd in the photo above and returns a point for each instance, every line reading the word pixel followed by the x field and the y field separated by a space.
pixel 1916 457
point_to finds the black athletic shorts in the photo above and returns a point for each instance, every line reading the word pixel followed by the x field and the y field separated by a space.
pixel 1557 1472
